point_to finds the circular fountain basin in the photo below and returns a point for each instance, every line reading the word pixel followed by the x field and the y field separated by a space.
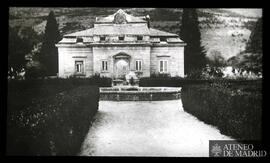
pixel 139 93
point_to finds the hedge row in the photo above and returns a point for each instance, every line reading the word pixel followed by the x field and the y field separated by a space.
pixel 179 82
pixel 25 91
pixel 100 81
pixel 166 82
pixel 55 125
pixel 234 108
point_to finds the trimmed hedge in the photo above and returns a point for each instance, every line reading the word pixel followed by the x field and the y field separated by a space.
pixel 235 108
pixel 69 82
pixel 23 92
pixel 179 82
pixel 54 125
pixel 167 82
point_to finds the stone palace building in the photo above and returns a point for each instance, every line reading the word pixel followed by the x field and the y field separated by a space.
pixel 117 45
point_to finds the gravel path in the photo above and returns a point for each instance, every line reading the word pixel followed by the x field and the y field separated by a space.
pixel 157 128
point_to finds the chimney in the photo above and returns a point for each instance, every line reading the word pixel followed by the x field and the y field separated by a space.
pixel 147 18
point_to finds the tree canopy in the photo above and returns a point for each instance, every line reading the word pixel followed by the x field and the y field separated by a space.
pixel 251 58
pixel 21 42
pixel 49 53
pixel 254 44
pixel 194 53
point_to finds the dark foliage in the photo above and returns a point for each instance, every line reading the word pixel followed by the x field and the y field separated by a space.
pixel 35 72
pixel 51 125
pixel 131 81
pixel 253 62
pixel 132 89
pixel 179 82
pixel 49 52
pixel 251 58
pixel 20 44
pixel 234 107
pixel 168 82
pixel 63 84
pixel 254 44
pixel 160 75
pixel 194 53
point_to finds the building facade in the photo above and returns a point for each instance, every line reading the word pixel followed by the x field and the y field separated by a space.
pixel 119 44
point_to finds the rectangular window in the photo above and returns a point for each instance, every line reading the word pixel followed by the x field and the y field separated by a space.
pixel 104 65
pixel 138 66
pixel 163 39
pixel 102 38
pixel 121 38
pixel 79 39
pixel 139 38
pixel 163 66
pixel 79 67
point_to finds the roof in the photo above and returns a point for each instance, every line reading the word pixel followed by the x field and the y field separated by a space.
pixel 156 32
pixel 120 25
pixel 111 18
pixel 123 29
pixel 87 32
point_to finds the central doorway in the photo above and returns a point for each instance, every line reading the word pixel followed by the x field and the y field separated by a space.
pixel 121 65
pixel 122 68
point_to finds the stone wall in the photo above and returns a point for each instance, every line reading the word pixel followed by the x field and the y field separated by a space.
pixel 140 94
pixel 174 55
pixel 67 57
pixel 150 57
pixel 108 52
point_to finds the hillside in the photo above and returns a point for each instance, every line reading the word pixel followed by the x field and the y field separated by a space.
pixel 222 30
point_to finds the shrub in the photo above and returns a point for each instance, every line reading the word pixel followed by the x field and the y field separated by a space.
pixel 168 81
pixel 132 89
pixel 160 75
pixel 59 82
pixel 131 81
pixel 234 107
pixel 180 82
pixel 54 125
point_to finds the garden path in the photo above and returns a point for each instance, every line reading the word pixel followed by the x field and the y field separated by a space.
pixel 148 128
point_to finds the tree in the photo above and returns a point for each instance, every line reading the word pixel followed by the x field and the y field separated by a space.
pixel 251 58
pixel 49 52
pixel 194 53
pixel 34 69
pixel 19 47
pixel 216 59
pixel 254 44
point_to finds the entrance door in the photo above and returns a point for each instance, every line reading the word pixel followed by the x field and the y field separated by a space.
pixel 121 68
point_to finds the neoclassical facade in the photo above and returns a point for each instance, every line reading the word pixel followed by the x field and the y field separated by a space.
pixel 118 44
